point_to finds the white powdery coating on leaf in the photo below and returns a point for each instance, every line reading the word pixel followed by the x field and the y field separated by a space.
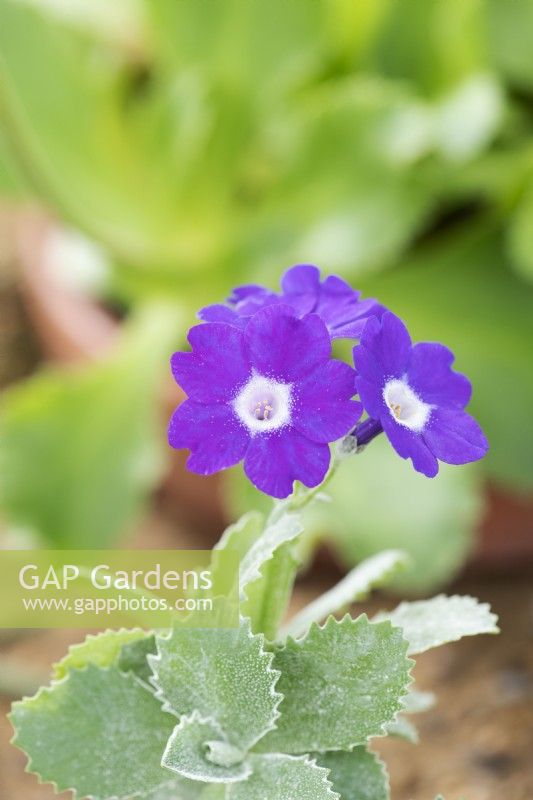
pixel 357 774
pixel 282 777
pixel 342 684
pixel 223 674
pixel 431 623
pixel 187 748
pixel 285 530
pixel 97 732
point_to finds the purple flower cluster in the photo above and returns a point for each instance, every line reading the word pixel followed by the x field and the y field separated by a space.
pixel 416 397
pixel 263 387
pixel 334 300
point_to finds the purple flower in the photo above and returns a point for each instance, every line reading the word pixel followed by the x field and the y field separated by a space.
pixel 416 396
pixel 332 299
pixel 269 394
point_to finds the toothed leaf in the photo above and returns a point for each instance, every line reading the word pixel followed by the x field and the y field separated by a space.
pixel 286 529
pixel 102 650
pixel 402 728
pixel 267 598
pixel 267 571
pixel 242 534
pixel 282 777
pixel 430 623
pixel 224 674
pixel 357 775
pixel 191 748
pixel 416 702
pixel 355 586
pixel 178 789
pixel 341 684
pixel 98 732
pixel 133 657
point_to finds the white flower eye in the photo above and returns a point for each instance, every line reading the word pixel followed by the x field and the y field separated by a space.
pixel 264 404
pixel 405 406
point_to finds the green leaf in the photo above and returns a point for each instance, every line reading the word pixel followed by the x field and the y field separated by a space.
pixel 194 751
pixel 12 182
pixel 521 236
pixel 432 521
pixel 356 585
pixel 402 728
pixel 414 703
pixel 270 564
pixel 267 598
pixel 241 535
pixel 103 650
pixel 341 684
pixel 468 117
pixel 286 529
pixel 114 160
pixel 431 623
pixel 509 38
pixel 181 789
pixel 81 451
pixel 98 732
pixel 357 775
pixel 267 574
pixel 224 675
pixel 134 657
pixel 282 777
pixel 271 44
pixel 362 208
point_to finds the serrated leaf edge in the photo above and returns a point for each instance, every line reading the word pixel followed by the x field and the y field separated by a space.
pixel 92 637
pixel 47 690
pixel 264 654
pixel 237 526
pixel 493 618
pixel 294 644
pixel 258 573
pixel 308 761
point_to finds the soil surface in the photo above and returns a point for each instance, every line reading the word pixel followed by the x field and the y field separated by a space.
pixel 475 744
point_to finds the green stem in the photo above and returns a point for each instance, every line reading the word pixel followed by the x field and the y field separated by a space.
pixel 302 496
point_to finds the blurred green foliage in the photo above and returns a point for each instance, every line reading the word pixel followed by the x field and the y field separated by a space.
pixel 204 143
pixel 80 449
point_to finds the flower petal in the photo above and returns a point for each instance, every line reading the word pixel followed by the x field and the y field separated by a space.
pixel 213 434
pixel 369 381
pixel 430 375
pixel 282 347
pixel 323 410
pixel 247 291
pixel 454 436
pixel 349 323
pixel 300 286
pixel 274 461
pixel 247 308
pixel 221 313
pixel 409 444
pixel 389 343
pixel 216 368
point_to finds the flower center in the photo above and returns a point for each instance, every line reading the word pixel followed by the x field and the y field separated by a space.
pixel 264 404
pixel 405 406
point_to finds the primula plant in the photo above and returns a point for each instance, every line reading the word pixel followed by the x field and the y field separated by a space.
pixel 279 707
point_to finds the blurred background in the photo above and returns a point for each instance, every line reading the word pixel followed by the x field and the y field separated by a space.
pixel 155 153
